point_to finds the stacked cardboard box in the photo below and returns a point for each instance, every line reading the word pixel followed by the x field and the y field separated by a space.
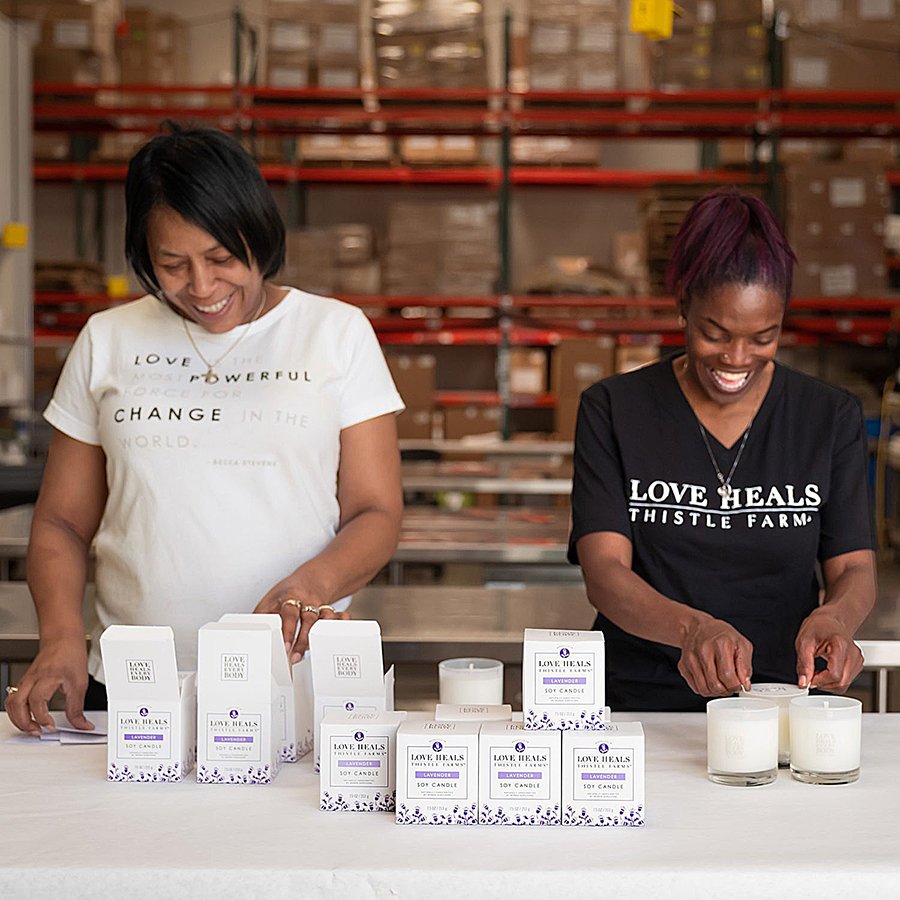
pixel 719 45
pixel 446 248
pixel 339 259
pixel 663 210
pixel 555 150
pixel 573 45
pixel 152 49
pixel 440 149
pixel 413 375
pixel 313 44
pixel 463 421
pixel 835 223
pixel 74 42
pixel 577 364
pixel 842 45
pixel 429 43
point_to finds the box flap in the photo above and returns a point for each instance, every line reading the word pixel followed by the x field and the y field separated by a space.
pixel 139 661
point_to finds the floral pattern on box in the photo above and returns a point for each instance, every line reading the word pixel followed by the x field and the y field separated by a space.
pixel 592 721
pixel 305 746
pixel 381 803
pixel 260 775
pixel 289 752
pixel 160 773
pixel 541 816
pixel 465 815
pixel 626 817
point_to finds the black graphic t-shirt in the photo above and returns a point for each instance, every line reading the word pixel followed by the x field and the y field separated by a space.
pixel 800 496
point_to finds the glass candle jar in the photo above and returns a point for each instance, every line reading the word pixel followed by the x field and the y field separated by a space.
pixel 781 694
pixel 826 736
pixel 470 680
pixel 742 741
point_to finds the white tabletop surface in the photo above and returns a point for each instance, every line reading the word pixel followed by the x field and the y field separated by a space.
pixel 68 832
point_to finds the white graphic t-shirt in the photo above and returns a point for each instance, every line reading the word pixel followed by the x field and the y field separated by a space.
pixel 216 492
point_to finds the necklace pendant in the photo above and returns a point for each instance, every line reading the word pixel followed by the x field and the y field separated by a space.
pixel 724 491
pixel 210 377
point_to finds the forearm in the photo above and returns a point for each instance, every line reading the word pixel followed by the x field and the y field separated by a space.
pixel 850 591
pixel 637 608
pixel 361 548
pixel 57 567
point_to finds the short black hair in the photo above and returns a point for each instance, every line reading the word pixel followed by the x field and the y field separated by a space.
pixel 210 181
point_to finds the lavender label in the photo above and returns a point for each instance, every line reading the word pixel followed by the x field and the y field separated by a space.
pixel 520 772
pixel 233 736
pixel 564 676
pixel 603 773
pixel 143 734
pixel 359 760
pixel 437 771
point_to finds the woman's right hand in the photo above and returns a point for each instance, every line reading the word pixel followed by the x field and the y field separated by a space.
pixel 716 659
pixel 61 665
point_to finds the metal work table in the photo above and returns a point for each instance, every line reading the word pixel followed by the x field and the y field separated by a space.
pixel 506 476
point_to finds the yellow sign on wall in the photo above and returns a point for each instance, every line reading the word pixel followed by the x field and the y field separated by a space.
pixel 15 236
pixel 652 18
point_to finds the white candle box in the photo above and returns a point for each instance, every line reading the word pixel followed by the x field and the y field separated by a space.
pixel 304 706
pixel 358 770
pixel 453 712
pixel 437 773
pixel 603 776
pixel 238 728
pixel 563 679
pixel 519 775
pixel 286 716
pixel 152 707
pixel 347 671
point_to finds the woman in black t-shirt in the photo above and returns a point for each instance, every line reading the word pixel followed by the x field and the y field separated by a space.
pixel 708 488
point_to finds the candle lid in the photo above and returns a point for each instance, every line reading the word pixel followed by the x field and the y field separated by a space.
pixel 774 691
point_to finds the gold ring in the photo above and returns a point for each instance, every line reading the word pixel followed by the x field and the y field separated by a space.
pixel 291 602
pixel 327 606
pixel 308 608
pixel 12 690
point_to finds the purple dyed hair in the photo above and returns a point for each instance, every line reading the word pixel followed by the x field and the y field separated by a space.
pixel 729 237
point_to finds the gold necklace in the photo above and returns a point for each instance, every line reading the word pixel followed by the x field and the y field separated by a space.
pixel 210 376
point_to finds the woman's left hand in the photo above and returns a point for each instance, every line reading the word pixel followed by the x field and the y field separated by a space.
pixel 822 635
pixel 299 611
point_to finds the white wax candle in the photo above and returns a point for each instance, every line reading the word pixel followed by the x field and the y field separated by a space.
pixel 780 694
pixel 825 734
pixel 471 680
pixel 742 736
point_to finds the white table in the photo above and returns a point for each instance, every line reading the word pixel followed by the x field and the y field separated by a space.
pixel 70 833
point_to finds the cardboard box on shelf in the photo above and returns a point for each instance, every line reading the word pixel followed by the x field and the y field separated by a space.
pixel 555 150
pixel 635 356
pixel 463 421
pixel 527 371
pixel 288 70
pixel 577 363
pixel 154 49
pixel 360 278
pixel 427 149
pixel 364 148
pixel 414 377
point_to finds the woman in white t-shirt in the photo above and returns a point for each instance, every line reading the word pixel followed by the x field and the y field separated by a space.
pixel 225 443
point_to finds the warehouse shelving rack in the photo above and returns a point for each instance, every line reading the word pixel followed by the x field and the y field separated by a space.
pixel 254 112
